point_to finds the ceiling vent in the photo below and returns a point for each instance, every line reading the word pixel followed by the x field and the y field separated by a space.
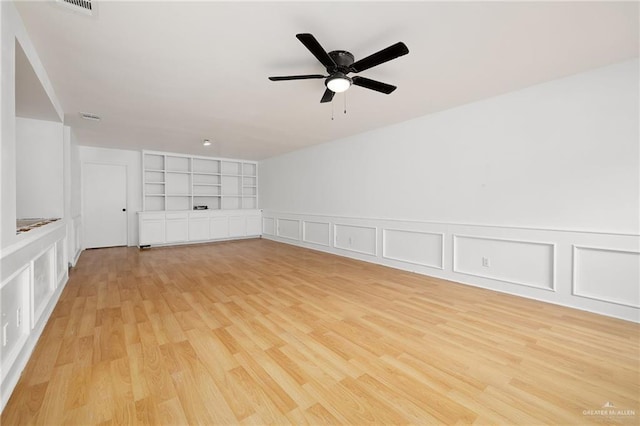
pixel 90 116
pixel 86 7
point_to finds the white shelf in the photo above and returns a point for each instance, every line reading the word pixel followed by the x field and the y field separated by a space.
pixel 175 182
pixel 249 169
pixel 205 166
pixel 177 163
pixel 154 162
pixel 233 168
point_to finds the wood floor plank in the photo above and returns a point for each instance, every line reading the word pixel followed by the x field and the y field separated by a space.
pixel 258 396
pixel 232 394
pixel 283 390
pixel 170 412
pixel 257 332
pixel 191 402
pixel 100 401
pixel 47 351
pixel 318 415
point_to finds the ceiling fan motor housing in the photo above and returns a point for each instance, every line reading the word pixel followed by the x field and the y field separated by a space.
pixel 343 60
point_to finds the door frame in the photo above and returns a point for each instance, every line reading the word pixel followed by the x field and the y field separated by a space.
pixel 126 193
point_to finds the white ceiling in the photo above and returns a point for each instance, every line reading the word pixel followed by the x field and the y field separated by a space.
pixel 165 75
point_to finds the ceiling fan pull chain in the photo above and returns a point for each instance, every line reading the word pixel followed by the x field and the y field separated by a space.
pixel 331 110
pixel 345 102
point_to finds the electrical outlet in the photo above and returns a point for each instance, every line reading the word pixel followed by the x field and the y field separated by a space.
pixel 18 317
pixel 4 334
pixel 485 262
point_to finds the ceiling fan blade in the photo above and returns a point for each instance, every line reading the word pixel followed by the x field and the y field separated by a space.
pixel 327 97
pixel 314 47
pixel 378 86
pixel 296 77
pixel 391 52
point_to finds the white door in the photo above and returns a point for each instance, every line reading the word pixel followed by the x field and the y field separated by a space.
pixel 104 205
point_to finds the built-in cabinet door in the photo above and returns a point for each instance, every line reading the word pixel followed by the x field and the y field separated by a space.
pixel 177 227
pixel 198 227
pixel 237 226
pixel 219 227
pixel 152 230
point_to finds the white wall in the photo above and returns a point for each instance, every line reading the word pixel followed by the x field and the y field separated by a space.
pixel 7 126
pixel 76 176
pixel 73 186
pixel 133 162
pixel 39 169
pixel 524 179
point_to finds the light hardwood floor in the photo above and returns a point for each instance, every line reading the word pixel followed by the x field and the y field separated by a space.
pixel 257 332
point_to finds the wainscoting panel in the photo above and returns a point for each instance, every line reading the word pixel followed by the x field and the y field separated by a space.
pixel 77 235
pixel 61 259
pixel 420 248
pixel 606 274
pixel 360 239
pixel 268 226
pixel 518 262
pixel 14 309
pixel 289 228
pixel 73 243
pixel 43 282
pixel 316 233
pixel 254 226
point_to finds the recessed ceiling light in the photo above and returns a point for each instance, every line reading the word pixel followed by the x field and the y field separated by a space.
pixel 90 116
pixel 206 142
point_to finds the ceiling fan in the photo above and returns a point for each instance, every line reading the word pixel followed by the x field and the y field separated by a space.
pixel 339 63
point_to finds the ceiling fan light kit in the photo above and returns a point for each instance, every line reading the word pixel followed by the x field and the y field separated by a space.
pixel 339 63
pixel 338 82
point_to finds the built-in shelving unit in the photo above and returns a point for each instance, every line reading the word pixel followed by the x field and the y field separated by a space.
pixel 180 182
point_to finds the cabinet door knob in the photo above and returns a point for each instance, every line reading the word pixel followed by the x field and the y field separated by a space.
pixel 124 210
